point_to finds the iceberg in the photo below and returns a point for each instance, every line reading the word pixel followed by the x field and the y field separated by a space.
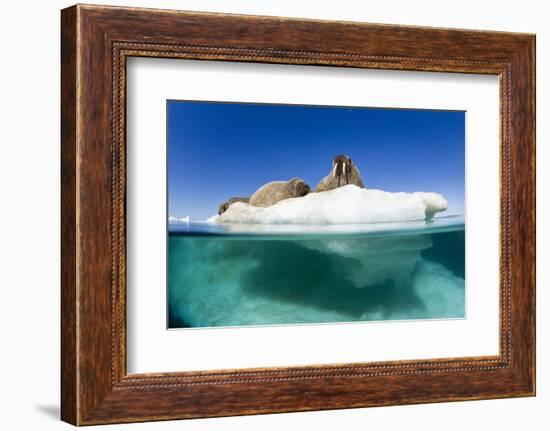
pixel 345 205
pixel 378 259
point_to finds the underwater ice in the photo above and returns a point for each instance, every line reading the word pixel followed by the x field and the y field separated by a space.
pixel 345 205
pixel 283 282
pixel 382 259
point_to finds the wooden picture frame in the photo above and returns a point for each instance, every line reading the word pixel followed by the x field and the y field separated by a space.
pixel 95 43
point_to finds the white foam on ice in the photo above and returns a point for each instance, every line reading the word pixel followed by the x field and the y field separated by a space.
pixel 345 205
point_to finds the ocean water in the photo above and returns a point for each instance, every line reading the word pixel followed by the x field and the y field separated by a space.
pixel 233 275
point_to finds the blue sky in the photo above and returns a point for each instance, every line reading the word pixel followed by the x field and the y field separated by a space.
pixel 219 150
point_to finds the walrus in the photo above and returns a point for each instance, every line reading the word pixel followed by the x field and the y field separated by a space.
pixel 223 207
pixel 343 172
pixel 276 191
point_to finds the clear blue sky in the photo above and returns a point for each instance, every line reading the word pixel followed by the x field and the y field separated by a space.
pixel 219 150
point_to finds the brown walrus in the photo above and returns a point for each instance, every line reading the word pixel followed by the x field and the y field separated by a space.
pixel 271 193
pixel 276 191
pixel 343 172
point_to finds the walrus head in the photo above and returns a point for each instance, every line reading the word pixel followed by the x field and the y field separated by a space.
pixel 297 187
pixel 342 167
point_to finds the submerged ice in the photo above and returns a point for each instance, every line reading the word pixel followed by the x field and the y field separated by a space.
pixel 302 280
pixel 379 260
pixel 344 205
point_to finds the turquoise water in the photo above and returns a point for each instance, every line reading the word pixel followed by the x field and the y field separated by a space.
pixel 233 275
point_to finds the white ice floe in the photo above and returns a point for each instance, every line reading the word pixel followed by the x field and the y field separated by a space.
pixel 344 205
pixel 178 220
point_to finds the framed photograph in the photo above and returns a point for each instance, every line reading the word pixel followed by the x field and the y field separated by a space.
pixel 266 215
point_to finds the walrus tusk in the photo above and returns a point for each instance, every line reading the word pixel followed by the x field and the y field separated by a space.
pixel 342 172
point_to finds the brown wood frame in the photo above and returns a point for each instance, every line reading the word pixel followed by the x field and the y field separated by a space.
pixel 95 43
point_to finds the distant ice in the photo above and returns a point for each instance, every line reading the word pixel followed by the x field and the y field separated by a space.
pixel 178 220
pixel 345 205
